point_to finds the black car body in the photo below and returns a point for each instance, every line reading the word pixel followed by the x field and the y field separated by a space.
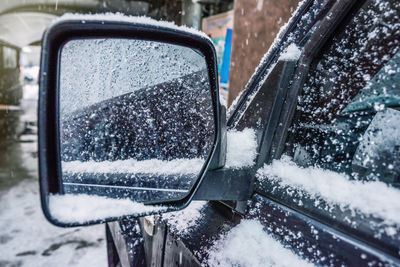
pixel 284 102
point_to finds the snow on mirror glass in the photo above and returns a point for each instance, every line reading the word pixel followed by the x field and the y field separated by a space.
pixel 136 119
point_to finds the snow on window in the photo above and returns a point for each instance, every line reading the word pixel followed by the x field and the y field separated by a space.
pixel 119 17
pixel 371 198
pixel 241 148
pixel 182 221
pixel 82 208
pixel 248 245
pixel 352 69
pixel 292 52
pixel 378 152
pixel 151 166
pixel 381 90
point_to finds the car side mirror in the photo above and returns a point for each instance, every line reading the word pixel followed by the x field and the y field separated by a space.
pixel 129 118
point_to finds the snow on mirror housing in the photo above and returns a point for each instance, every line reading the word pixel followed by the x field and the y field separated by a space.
pixel 129 119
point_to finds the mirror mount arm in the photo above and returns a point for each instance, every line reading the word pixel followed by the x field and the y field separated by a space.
pixel 222 183
pixel 226 184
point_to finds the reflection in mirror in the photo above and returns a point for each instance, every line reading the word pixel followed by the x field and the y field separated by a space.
pixel 136 118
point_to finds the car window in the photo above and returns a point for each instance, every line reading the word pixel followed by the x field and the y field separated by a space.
pixel 348 114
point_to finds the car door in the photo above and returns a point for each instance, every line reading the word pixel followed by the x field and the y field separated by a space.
pixel 329 189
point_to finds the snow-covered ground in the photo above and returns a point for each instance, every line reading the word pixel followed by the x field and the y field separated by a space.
pixel 26 238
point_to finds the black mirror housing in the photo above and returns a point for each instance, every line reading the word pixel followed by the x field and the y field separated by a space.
pixel 90 27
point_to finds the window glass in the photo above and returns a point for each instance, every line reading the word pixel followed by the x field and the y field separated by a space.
pixel 348 115
pixel 9 58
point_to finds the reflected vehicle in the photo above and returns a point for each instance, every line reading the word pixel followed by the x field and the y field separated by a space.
pixel 131 139
pixel 117 122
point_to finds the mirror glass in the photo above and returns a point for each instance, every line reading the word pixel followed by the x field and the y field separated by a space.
pixel 136 119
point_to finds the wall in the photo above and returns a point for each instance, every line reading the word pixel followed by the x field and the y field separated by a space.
pixel 256 23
